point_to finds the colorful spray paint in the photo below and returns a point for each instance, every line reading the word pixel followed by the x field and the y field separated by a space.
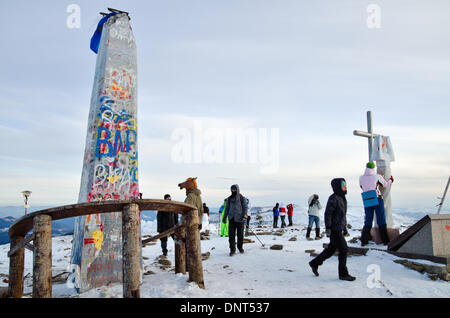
pixel 110 167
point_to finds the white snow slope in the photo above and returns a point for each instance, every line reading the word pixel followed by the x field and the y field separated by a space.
pixel 260 272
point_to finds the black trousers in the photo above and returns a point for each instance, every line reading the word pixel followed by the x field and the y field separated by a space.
pixel 275 221
pixel 337 242
pixel 233 229
pixel 164 243
pixel 290 220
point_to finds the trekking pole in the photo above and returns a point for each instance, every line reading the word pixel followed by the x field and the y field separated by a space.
pixel 256 236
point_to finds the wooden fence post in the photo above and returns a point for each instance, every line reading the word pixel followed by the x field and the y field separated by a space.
pixel 16 268
pixel 194 252
pixel 131 251
pixel 180 250
pixel 42 256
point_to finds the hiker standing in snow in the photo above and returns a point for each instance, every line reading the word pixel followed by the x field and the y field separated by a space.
pixel 206 219
pixel 223 225
pixel 165 221
pixel 276 213
pixel 236 211
pixel 290 211
pixel 282 215
pixel 314 215
pixel 370 181
pixel 193 197
pixel 335 223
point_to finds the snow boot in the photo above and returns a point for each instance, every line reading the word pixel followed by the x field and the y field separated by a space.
pixel 232 253
pixel 308 232
pixel 384 234
pixel 318 237
pixel 365 236
pixel 314 268
pixel 241 250
pixel 349 278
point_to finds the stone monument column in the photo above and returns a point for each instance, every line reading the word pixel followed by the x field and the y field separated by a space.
pixel 110 165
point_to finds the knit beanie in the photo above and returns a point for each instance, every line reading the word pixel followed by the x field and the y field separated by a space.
pixel 370 165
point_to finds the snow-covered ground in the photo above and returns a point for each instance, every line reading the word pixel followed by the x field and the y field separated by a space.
pixel 261 272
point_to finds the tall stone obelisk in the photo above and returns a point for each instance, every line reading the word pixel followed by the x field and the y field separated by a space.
pixel 110 167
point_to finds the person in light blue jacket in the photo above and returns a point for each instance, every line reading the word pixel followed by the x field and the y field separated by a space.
pixel 314 208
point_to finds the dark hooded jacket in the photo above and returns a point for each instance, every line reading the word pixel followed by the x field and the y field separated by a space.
pixel 165 221
pixel 236 207
pixel 336 210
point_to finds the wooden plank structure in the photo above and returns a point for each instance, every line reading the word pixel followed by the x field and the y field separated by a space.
pixel 187 242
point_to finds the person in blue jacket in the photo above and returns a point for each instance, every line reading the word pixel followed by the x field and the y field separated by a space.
pixel 276 214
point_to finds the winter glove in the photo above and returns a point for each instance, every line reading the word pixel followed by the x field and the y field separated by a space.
pixel 328 232
pixel 244 220
pixel 392 179
pixel 224 220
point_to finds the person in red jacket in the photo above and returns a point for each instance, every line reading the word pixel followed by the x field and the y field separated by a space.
pixel 290 209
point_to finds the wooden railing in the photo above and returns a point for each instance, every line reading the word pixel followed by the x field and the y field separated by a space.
pixel 187 242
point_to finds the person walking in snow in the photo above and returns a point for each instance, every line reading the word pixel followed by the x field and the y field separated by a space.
pixel 236 211
pixel 370 181
pixel 335 223
pixel 282 215
pixel 314 208
pixel 276 214
pixel 223 225
pixel 165 221
pixel 290 212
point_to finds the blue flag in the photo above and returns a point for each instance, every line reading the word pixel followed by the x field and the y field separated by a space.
pixel 95 40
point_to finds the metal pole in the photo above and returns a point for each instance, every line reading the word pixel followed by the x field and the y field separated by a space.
pixel 443 197
pixel 370 131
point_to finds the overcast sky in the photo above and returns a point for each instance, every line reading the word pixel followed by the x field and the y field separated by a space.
pixel 310 69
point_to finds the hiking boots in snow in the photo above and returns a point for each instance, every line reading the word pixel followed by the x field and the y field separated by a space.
pixel 318 237
pixel 365 236
pixel 308 232
pixel 241 250
pixel 349 278
pixel 314 269
pixel 232 253
pixel 384 235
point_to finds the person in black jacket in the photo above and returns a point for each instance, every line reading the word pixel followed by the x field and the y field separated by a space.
pixel 165 221
pixel 335 223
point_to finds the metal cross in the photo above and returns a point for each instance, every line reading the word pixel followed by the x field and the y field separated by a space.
pixel 383 168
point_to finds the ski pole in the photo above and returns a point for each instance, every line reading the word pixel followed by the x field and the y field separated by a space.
pixel 256 236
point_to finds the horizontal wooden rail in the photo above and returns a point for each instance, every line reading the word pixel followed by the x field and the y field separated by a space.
pixel 23 225
pixel 23 244
pixel 161 235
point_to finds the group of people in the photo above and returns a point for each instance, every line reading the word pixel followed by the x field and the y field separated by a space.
pixel 235 216
pixel 279 211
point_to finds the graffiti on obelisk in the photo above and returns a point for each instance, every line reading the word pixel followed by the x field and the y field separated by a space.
pixel 110 165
